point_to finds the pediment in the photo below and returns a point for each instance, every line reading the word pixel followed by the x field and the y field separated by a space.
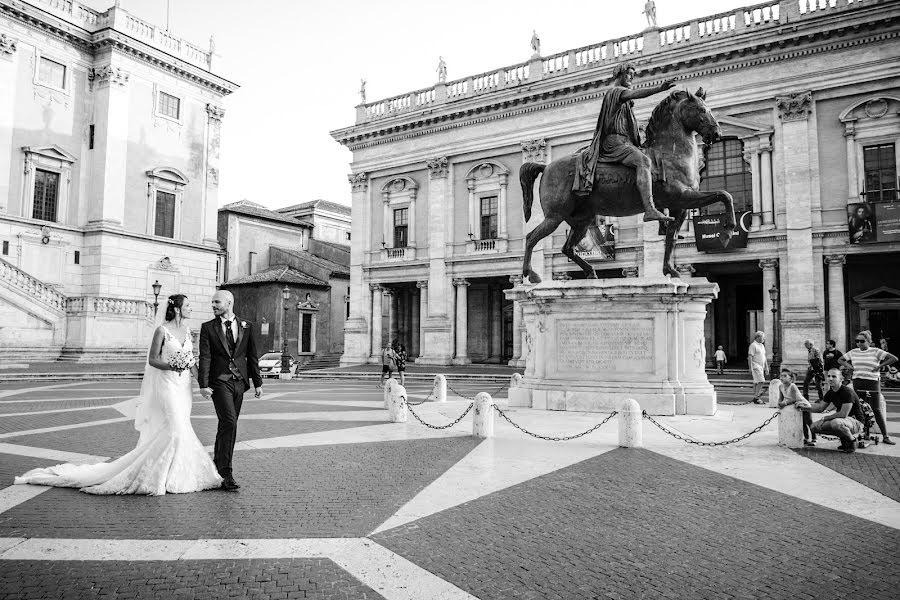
pixel 880 294
pixel 741 128
pixel 397 185
pixel 53 152
pixel 872 107
pixel 486 169
pixel 168 174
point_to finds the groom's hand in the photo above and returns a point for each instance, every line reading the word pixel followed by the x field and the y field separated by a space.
pixel 206 393
pixel 259 392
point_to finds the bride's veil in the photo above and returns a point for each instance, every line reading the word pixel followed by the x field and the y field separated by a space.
pixel 147 414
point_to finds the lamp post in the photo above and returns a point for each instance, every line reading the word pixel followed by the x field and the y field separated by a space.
pixel 773 295
pixel 285 360
pixel 157 286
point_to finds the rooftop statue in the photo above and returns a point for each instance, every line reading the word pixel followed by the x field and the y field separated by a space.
pixel 535 43
pixel 650 13
pixel 673 160
pixel 362 91
pixel 441 70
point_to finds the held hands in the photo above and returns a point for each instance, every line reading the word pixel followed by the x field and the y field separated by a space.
pixel 206 393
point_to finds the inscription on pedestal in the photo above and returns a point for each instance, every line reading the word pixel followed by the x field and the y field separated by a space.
pixel 624 346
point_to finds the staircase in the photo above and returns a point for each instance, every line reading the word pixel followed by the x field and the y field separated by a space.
pixel 321 361
pixel 33 324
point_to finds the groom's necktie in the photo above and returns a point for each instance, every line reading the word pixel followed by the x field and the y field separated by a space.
pixel 229 335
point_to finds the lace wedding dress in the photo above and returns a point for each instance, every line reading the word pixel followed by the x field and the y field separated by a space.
pixel 168 457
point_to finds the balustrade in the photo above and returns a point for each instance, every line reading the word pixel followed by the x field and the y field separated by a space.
pixel 396 253
pixel 485 245
pixel 35 289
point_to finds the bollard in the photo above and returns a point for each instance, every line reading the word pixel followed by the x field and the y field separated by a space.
pixel 483 419
pixel 774 393
pixel 388 385
pixel 790 427
pixel 397 408
pixel 517 395
pixel 439 391
pixel 631 423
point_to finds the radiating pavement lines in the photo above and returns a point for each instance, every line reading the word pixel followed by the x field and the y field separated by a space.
pixel 15 434
pixel 385 572
pixel 76 399
pixel 16 392
pixel 48 454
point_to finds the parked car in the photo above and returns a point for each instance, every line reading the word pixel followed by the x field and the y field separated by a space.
pixel 270 364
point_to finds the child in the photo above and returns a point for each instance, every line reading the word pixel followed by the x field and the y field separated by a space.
pixel 721 359
pixel 789 393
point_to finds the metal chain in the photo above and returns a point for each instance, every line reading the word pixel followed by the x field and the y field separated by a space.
pixel 555 439
pixel 430 426
pixel 692 441
pixel 492 394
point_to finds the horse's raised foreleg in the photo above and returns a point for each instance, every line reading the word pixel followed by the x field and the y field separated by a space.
pixel 671 237
pixel 576 234
pixel 547 226
pixel 694 199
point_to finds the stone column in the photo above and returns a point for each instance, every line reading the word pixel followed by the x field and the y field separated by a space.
pixel 766 191
pixel 852 175
pixel 770 278
pixel 210 203
pixel 357 334
pixel 423 311
pixel 411 236
pixel 518 326
pixel 495 314
pixel 414 321
pixel 472 221
pixel 800 315
pixel 386 224
pixel 108 175
pixel 501 211
pixel 462 322
pixel 685 271
pixel 630 271
pixel 392 314
pixel 751 155
pixel 837 310
pixel 376 321
pixel 8 64
pixel 437 341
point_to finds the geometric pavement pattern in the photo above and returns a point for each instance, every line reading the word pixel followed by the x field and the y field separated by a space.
pixel 336 502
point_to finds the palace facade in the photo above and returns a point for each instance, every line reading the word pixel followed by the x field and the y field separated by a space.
pixel 808 99
pixel 109 147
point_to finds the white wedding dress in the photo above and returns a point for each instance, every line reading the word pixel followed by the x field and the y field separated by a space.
pixel 168 458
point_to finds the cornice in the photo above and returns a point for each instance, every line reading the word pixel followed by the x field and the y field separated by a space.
pixel 412 125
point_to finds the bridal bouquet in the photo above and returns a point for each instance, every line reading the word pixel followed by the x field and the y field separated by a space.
pixel 182 360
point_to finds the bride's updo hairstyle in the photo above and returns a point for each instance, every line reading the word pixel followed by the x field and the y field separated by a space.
pixel 175 301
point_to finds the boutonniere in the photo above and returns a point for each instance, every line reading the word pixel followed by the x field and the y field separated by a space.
pixel 244 324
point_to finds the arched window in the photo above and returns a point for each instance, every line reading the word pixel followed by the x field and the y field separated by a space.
pixel 726 170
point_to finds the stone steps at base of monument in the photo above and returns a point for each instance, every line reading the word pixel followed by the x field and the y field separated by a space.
pixel 321 361
pixel 99 376
pixel 24 354
pixel 101 355
pixel 374 375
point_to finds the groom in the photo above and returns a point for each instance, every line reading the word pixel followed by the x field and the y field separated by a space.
pixel 227 359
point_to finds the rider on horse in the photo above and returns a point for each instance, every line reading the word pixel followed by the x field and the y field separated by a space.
pixel 617 140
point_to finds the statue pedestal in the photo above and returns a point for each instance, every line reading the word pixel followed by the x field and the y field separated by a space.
pixel 590 344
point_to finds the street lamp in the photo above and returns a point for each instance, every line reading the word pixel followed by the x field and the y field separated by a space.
pixel 157 286
pixel 285 359
pixel 773 295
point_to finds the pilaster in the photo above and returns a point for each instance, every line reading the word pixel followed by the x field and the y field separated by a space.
pixel 377 324
pixel 106 206
pixel 837 309
pixel 518 326
pixel 8 64
pixel 210 202
pixel 769 268
pixel 423 310
pixel 357 332
pixel 462 322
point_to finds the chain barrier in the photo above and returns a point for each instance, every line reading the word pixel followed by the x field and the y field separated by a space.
pixel 429 425
pixel 555 439
pixel 492 394
pixel 699 443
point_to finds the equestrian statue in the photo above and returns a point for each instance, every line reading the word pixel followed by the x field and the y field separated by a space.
pixel 617 176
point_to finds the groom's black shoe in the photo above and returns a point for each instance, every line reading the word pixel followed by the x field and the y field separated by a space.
pixel 230 485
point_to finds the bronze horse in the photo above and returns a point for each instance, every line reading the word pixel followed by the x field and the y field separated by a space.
pixel 675 164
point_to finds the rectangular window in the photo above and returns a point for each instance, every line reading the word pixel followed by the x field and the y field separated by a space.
pixel 77 257
pixel 401 227
pixel 46 195
pixel 169 105
pixel 489 218
pixel 881 173
pixel 5 248
pixel 91 137
pixel 348 236
pixel 165 214
pixel 52 73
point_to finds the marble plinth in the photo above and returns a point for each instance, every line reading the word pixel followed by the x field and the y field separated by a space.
pixel 590 344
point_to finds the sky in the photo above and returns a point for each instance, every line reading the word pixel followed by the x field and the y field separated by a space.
pixel 299 65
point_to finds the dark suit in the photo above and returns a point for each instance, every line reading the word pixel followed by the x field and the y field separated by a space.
pixel 228 374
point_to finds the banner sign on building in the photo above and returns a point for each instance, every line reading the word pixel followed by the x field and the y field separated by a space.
pixel 887 222
pixel 599 242
pixel 711 235
pixel 870 223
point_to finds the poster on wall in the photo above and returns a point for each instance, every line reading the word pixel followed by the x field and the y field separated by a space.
pixel 861 223
pixel 887 222
pixel 711 235
pixel 599 242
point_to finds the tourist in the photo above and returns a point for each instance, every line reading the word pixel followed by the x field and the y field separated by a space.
pixel 815 370
pixel 721 359
pixel 846 421
pixel 788 394
pixel 831 355
pixel 388 362
pixel 866 362
pixel 759 365
pixel 401 359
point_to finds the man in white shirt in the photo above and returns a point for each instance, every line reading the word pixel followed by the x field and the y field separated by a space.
pixel 759 365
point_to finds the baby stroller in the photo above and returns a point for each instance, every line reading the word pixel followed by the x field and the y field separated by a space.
pixel 867 437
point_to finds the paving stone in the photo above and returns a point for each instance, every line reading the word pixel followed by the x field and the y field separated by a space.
pixel 27 422
pixel 641 525
pixel 322 578
pixel 878 472
pixel 8 407
pixel 343 490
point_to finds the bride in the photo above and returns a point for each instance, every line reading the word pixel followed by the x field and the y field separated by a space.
pixel 168 456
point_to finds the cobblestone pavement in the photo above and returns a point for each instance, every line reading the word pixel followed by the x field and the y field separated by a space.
pixel 337 502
